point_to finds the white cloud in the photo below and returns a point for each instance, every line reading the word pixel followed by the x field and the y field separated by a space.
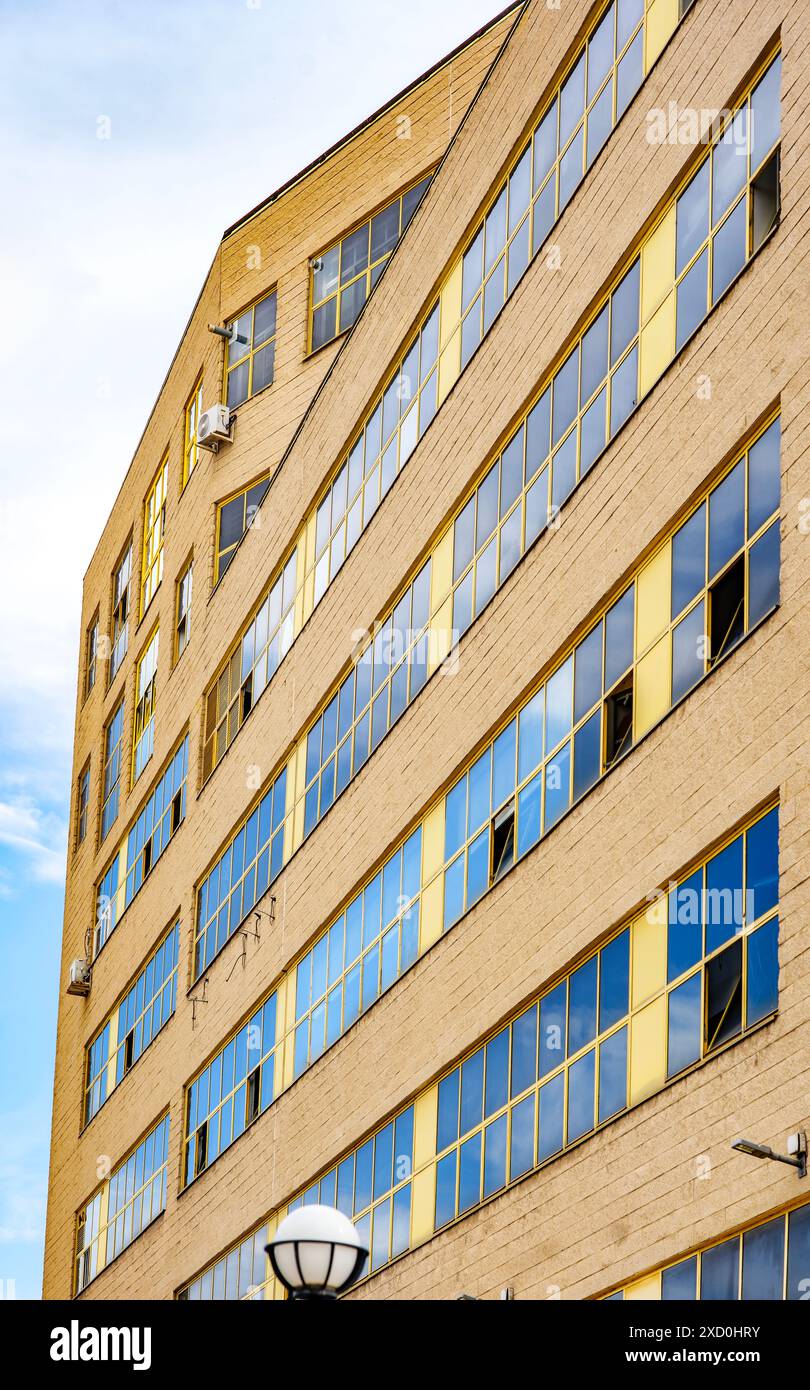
pixel 37 837
pixel 22 1180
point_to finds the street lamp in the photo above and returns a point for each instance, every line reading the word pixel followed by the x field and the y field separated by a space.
pixel 796 1156
pixel 316 1253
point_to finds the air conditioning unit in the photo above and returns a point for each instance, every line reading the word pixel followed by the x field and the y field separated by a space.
pixel 80 976
pixel 214 428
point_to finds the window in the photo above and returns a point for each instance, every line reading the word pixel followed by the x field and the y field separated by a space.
pixel 385 444
pixel 91 656
pixel 148 836
pixel 241 875
pixel 729 205
pixel 82 804
pixel 586 402
pixel 182 624
pixel 120 613
pixel 154 530
pixel 243 1273
pixel 192 423
pixel 594 95
pixel 643 655
pixel 250 667
pixel 125 1204
pixel 233 519
pixel 344 276
pixel 133 1024
pixel 372 1186
pixel 385 678
pixel 767 1262
pixel 111 776
pixel 146 690
pixel 359 956
pixel 251 351
pixel 230 1093
pixel 587 1049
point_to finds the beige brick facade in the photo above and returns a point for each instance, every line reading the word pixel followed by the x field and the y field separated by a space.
pixel 629 1197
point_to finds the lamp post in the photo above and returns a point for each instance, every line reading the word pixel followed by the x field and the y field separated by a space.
pixel 796 1156
pixel 316 1253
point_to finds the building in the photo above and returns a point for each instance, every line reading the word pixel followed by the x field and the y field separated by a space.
pixel 443 857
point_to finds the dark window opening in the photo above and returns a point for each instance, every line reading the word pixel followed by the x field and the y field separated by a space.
pixel 765 201
pixel 618 721
pixel 503 842
pixel 129 1051
pixel 201 1157
pixel 253 1092
pixel 683 6
pixel 177 803
pixel 727 611
pixel 724 997
pixel 147 857
pixel 247 696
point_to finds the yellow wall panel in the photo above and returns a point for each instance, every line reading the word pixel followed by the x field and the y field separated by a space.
pixel 431 914
pixel 644 1289
pixel 449 366
pixel 441 570
pixel 648 1051
pixel 425 1115
pixel 648 937
pixel 433 842
pixel 450 302
pixel 653 599
pixel 658 266
pixel 661 23
pixel 657 344
pixel 441 635
pixel 423 1205
pixel 653 685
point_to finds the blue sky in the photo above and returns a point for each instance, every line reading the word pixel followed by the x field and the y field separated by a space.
pixel 104 243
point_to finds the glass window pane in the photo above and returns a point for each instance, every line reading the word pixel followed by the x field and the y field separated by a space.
pixel 613 1075
pixel 497 1073
pixel 679 1282
pixel 472 1091
pixel 530 735
pixel 724 996
pixel 552 1028
pixel 685 925
pixel 550 1117
pixel 582 1006
pixel 558 705
pixel 594 356
pixel 729 164
pixel 688 560
pixel 600 54
pixel 572 100
pixel 726 519
pixel 630 74
pixel 763 575
pixel 557 787
pixel 692 218
pixel 521 1157
pixel 581 1077
pixel 566 394
pixel 571 169
pixel 524 1052
pixel 588 673
pixel 765 114
pixel 469 1178
pixel 592 431
pixel 537 434
pixel 688 652
pixel 624 391
pixel 763 973
pixel 724 904
pixel 587 755
pixel 619 637
pixel 692 300
pixel 614 968
pixel 684 1025
pixel 447 1132
pixel 729 250
pixel 762 865
pixel 495 1156
pixel 600 122
pixel 764 1261
pixel 446 1189
pixel 624 313
pixel 545 145
pixel 719 1272
pixel 764 480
